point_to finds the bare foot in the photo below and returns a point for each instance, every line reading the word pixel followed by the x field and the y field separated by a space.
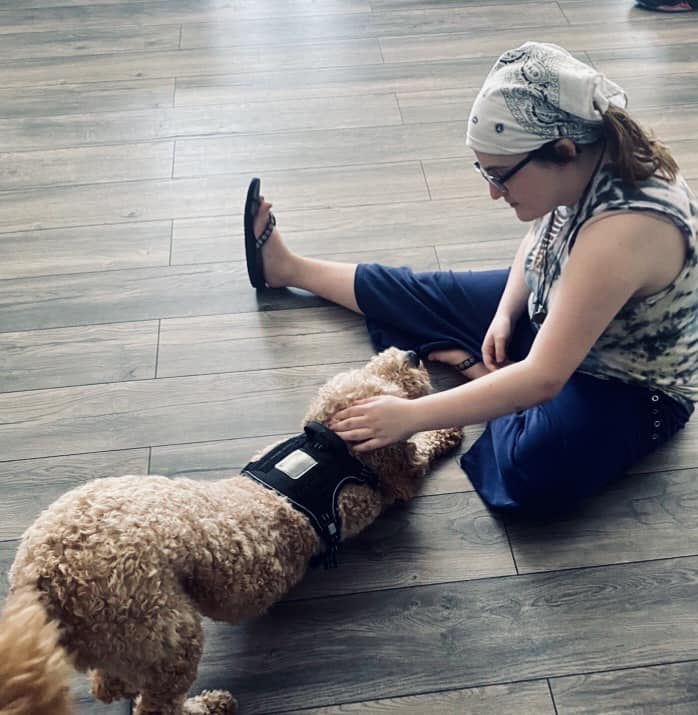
pixel 455 356
pixel 278 260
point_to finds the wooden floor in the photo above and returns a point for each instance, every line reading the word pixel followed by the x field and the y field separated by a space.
pixel 131 341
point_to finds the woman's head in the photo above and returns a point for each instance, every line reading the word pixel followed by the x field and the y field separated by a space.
pixel 538 126
pixel 535 182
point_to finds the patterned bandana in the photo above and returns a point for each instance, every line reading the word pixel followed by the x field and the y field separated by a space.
pixel 538 93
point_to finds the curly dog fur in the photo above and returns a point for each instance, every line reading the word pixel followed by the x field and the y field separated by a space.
pixel 115 575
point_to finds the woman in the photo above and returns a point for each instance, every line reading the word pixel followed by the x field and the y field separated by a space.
pixel 583 357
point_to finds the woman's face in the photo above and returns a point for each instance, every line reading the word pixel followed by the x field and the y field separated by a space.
pixel 534 190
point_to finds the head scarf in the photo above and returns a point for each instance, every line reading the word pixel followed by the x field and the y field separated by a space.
pixel 538 93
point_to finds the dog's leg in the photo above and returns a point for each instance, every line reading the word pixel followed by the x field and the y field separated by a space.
pixel 169 672
pixel 108 688
pixel 211 702
pixel 434 444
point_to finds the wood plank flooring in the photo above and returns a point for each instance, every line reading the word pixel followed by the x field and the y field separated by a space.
pixel 130 341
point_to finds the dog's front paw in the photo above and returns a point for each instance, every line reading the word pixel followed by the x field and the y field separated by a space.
pixel 450 438
pixel 442 441
pixel 211 702
pixel 108 688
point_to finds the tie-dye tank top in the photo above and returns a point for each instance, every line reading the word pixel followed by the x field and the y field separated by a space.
pixel 653 340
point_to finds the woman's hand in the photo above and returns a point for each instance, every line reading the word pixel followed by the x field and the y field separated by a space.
pixel 375 422
pixel 494 346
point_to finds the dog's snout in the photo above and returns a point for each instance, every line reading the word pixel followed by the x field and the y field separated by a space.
pixel 413 358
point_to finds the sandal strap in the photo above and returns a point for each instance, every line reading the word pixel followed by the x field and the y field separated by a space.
pixel 264 236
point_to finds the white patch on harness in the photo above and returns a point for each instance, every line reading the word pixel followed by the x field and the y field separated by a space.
pixel 296 464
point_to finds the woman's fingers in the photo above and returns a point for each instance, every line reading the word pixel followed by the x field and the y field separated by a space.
pixel 488 356
pixel 500 350
pixel 369 445
pixel 355 435
pixel 355 410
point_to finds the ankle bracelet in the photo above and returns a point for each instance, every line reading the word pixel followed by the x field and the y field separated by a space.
pixel 465 364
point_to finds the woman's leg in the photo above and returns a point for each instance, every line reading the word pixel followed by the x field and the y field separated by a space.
pixel 331 280
pixel 335 281
pixel 547 459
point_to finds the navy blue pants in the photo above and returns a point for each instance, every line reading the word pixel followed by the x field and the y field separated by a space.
pixel 543 460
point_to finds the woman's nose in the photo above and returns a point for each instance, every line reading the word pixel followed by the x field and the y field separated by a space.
pixel 495 193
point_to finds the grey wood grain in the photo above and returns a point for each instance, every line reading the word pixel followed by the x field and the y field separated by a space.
pixel 78 356
pixel 159 8
pixel 287 83
pixel 478 256
pixel 433 539
pixel 337 147
pixel 170 123
pixel 82 249
pixel 88 41
pixel 150 293
pixel 143 413
pixel 261 341
pixel 152 65
pixel 64 15
pixel 442 105
pixel 670 689
pixel 456 635
pixel 669 126
pixel 429 5
pixel 648 516
pixel 393 22
pixel 455 178
pixel 385 226
pixel 155 200
pixel 617 12
pixel 91 165
pixel 523 698
pixel 686 154
pixel 669 89
pixel 29 486
pixel 24 103
pixel 589 38
pixel 675 57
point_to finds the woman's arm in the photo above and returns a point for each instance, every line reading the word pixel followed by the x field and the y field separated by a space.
pixel 612 260
pixel 511 304
pixel 515 295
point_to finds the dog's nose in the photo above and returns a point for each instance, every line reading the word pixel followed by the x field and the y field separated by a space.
pixel 413 358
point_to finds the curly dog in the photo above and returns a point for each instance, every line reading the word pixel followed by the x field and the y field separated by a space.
pixel 115 575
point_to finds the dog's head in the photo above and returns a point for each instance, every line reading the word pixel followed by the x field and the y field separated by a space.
pixel 392 372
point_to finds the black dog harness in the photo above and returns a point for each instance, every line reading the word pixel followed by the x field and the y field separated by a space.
pixel 310 470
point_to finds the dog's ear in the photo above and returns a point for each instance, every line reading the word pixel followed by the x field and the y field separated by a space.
pixel 400 469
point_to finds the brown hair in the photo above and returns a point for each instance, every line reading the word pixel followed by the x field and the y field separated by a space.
pixel 634 151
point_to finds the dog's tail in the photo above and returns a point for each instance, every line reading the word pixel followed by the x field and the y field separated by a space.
pixel 35 671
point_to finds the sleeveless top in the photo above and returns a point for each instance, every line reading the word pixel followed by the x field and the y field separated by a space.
pixel 653 340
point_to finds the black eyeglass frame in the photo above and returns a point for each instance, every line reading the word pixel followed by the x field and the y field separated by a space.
pixel 499 181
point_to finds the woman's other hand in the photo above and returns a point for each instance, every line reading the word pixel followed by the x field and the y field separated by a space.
pixel 494 346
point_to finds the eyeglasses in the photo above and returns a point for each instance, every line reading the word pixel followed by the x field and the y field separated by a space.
pixel 499 181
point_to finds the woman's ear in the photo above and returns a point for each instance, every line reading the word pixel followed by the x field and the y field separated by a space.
pixel 566 149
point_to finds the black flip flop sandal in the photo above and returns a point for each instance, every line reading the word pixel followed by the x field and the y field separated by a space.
pixel 253 244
